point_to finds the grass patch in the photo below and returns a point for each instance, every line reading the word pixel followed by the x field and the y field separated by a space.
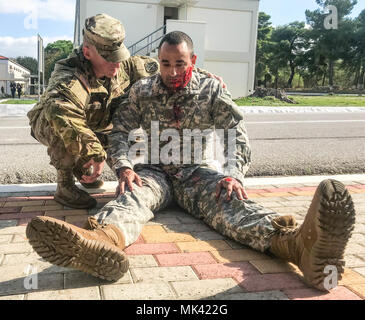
pixel 19 101
pixel 332 101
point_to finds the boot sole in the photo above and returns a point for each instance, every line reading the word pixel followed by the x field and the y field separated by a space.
pixel 61 245
pixel 334 226
pixel 90 205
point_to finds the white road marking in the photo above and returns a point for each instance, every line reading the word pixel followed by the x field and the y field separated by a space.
pixel 303 121
pixel 15 127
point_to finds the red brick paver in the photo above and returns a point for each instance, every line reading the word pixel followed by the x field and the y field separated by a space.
pixel 237 270
pixel 151 248
pixel 338 293
pixel 167 253
pixel 185 259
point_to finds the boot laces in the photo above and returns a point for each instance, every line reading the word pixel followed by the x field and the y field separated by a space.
pixel 94 224
pixel 283 226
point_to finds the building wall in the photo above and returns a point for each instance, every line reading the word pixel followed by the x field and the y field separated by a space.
pixel 13 72
pixel 139 19
pixel 230 46
pixel 230 31
pixel 3 74
pixel 3 69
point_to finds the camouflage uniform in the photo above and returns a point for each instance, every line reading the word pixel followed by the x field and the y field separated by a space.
pixel 73 117
pixel 203 104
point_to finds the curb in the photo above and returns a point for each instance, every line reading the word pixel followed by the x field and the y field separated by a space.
pixel 110 186
pixel 300 109
pixel 15 110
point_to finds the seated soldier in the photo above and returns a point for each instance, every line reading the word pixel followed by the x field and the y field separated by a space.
pixel 173 103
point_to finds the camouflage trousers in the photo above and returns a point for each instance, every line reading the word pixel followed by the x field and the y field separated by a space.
pixel 59 157
pixel 244 221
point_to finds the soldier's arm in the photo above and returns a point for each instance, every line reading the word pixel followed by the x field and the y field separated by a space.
pixel 139 67
pixel 229 117
pixel 211 75
pixel 66 114
pixel 125 119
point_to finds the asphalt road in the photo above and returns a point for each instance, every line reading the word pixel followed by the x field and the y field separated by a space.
pixel 282 144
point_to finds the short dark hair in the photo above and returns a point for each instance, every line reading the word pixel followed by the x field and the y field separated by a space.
pixel 175 38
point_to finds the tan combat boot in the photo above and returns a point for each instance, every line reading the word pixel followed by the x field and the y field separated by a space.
pixel 98 252
pixel 79 172
pixel 321 240
pixel 69 195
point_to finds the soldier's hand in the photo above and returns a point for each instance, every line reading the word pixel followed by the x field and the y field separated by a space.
pixel 97 170
pixel 220 79
pixel 231 184
pixel 127 177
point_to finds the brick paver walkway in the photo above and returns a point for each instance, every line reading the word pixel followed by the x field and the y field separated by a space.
pixel 176 256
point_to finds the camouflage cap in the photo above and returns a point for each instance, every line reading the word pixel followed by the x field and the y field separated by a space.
pixel 107 35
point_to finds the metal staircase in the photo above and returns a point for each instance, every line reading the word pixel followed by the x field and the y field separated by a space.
pixel 147 45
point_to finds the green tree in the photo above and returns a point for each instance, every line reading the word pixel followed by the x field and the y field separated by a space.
pixel 55 51
pixel 292 43
pixel 277 59
pixel 360 48
pixel 354 59
pixel 330 44
pixel 263 37
pixel 28 62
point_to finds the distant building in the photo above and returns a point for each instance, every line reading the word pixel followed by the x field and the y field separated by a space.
pixel 11 71
pixel 224 31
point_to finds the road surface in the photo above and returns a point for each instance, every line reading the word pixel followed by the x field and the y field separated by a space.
pixel 282 144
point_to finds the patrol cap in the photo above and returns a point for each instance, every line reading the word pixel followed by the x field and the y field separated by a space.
pixel 107 35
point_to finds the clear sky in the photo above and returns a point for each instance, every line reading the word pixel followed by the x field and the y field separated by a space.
pixel 286 11
pixel 22 20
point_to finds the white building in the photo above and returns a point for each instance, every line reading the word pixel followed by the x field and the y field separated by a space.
pixel 224 32
pixel 10 71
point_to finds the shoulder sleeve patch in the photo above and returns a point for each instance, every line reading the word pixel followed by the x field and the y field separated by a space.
pixel 151 67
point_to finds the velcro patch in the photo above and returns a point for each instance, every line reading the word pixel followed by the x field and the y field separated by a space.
pixel 151 67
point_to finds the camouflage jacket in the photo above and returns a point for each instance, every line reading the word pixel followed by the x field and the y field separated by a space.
pixel 202 105
pixel 77 105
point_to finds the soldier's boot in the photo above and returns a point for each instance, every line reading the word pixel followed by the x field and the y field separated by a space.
pixel 79 172
pixel 98 252
pixel 69 195
pixel 91 223
pixel 321 240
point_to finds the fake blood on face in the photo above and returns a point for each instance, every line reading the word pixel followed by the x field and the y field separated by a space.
pixel 183 80
pixel 180 83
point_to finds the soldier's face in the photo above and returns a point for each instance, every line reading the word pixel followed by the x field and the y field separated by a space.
pixel 174 60
pixel 102 68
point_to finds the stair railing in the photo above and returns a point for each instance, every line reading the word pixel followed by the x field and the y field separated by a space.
pixel 147 44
